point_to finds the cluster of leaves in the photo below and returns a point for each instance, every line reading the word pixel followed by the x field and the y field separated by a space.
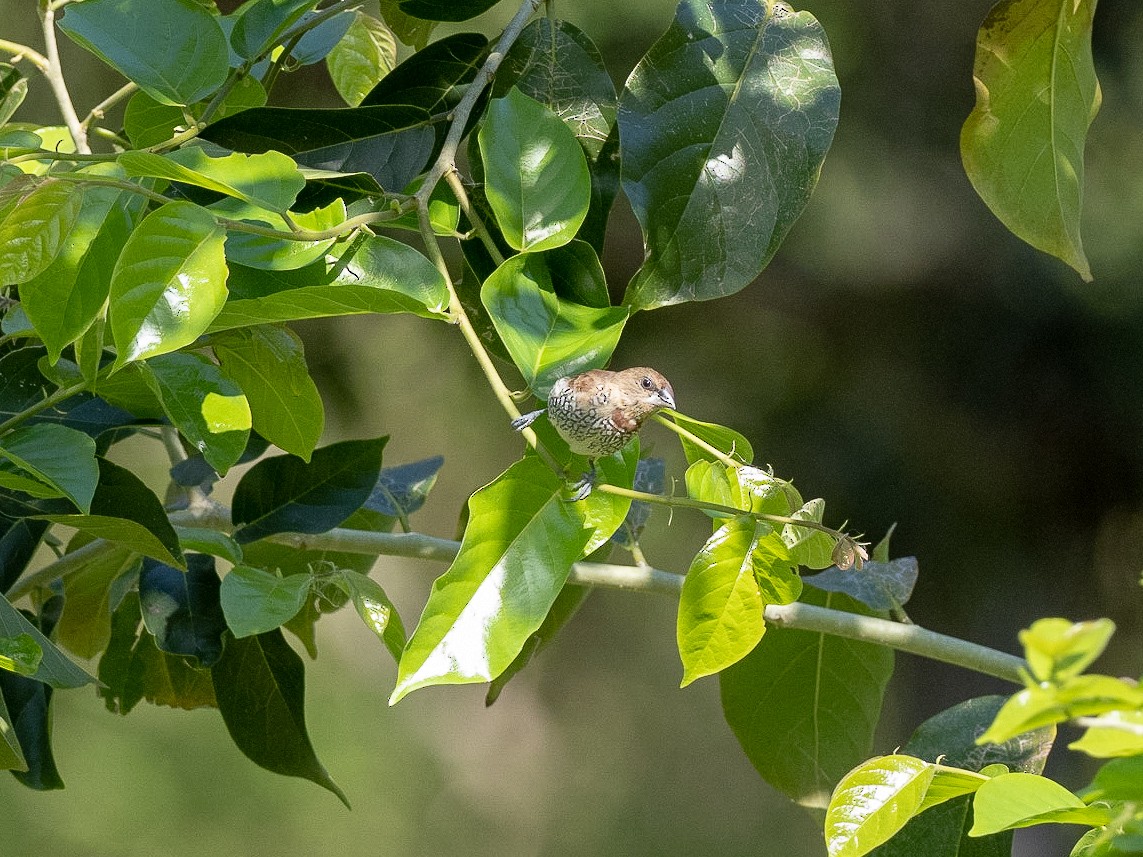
pixel 146 291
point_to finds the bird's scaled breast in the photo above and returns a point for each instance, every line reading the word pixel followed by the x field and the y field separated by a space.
pixel 583 419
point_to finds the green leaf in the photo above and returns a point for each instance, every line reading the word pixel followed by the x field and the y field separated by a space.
pixel 873 801
pixel 1045 704
pixel 402 490
pixel 950 738
pixel 19 541
pixel 260 686
pixel 277 254
pixel 376 610
pixel 1057 649
pixel 879 585
pixel 1036 95
pixel 54 668
pixel 316 43
pixel 256 601
pixel 259 25
pixel 28 705
pixel 13 89
pixel 433 78
pixel 182 609
pixel 208 408
pixel 804 705
pixel 169 283
pixel 444 210
pixel 176 52
pixel 725 440
pixel 445 10
pixel 284 494
pixel 808 547
pixel 11 754
pixel 1011 801
pixel 548 337
pixel 59 457
pixel 413 32
pixel 1117 733
pixel 536 176
pixel 125 511
pixel 1119 779
pixel 558 65
pixel 521 540
pixel 34 233
pixel 365 54
pixel 20 654
pixel 724 126
pixel 148 122
pixel 85 625
pixel 270 180
pixel 379 276
pixel 208 541
pixel 269 364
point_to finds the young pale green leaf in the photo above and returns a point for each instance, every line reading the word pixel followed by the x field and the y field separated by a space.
pixel 255 601
pixel 879 585
pixel 148 122
pixel 414 32
pixel 760 491
pixel 548 337
pixel 1036 95
pixel 59 457
pixel 808 547
pixel 20 654
pixel 709 481
pixel 285 494
pixel 260 686
pixel 176 52
pixel 13 89
pixel 521 540
pixel 85 624
pixel 260 24
pixel 804 705
pixel 1057 649
pixel 35 232
pixel 208 408
pixel 269 364
pixel 182 609
pixel 169 283
pixel 378 275
pixel 11 754
pixel 725 440
pixel 719 165
pixel 1011 801
pixel 536 176
pixel 1046 704
pixel 558 65
pixel 126 511
pixel 208 541
pixel 873 801
pixel 445 10
pixel 376 610
pixel 277 254
pixel 364 55
pixel 1116 733
pixel 1119 779
pixel 54 668
pixel 270 180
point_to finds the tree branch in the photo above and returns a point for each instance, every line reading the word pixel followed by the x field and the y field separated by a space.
pixel 54 74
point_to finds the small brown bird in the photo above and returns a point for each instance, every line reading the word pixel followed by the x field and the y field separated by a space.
pixel 598 412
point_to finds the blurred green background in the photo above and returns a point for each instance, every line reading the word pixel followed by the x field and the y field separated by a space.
pixel 903 357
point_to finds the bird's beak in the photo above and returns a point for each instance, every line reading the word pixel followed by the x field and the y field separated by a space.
pixel 667 398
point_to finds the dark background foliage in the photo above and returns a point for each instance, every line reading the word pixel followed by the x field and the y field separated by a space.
pixel 904 357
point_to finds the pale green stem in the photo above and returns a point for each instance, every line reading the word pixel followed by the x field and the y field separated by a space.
pixel 100 109
pixel 697 441
pixel 457 184
pixel 17 52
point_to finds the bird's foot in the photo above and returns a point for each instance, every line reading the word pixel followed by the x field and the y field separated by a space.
pixel 521 423
pixel 583 487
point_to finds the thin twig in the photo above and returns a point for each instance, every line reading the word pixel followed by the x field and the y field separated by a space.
pixel 54 74
pixel 100 109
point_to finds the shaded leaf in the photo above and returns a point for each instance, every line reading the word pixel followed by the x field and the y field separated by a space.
pixel 950 737
pixel 259 25
pixel 431 78
pixel 277 254
pixel 54 669
pixel 879 585
pixel 413 32
pixel 402 490
pixel 60 458
pixel 20 654
pixel 85 624
pixel 445 10
pixel 317 42
pixel 208 541
pixel 11 755
pixel 19 540
pixel 13 89
pixel 376 610
pixel 182 609
pixel 27 702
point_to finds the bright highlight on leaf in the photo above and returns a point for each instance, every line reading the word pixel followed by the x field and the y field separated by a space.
pixel 225 413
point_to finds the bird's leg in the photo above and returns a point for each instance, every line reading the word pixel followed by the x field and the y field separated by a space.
pixel 585 484
pixel 521 423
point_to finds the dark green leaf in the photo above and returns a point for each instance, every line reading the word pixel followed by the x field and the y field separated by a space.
pixel 85 625
pixel 54 668
pixel 879 585
pixel 724 125
pixel 547 337
pixel 365 55
pixel 285 494
pixel 20 654
pixel 1036 95
pixel 269 364
pixel 147 122
pixel 27 703
pixel 256 601
pixel 176 52
pixel 431 78
pixel 559 66
pixel 208 541
pixel 260 24
pixel 577 274
pixel 376 610
pixel 61 459
pixel 169 283
pixel 536 176
pixel 316 43
pixel 18 543
pixel 208 408
pixel 33 234
pixel 445 10
pixel 11 755
pixel 13 89
pixel 804 705
pixel 182 609
pixel 402 490
pixel 950 738
pixel 260 686
pixel 413 32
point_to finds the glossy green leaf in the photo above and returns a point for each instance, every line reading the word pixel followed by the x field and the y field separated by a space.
pixel 558 65
pixel 148 122
pixel 548 337
pixel 379 276
pixel 270 180
pixel 11 754
pixel 182 608
pixel 376 610
pixel 285 494
pixel 169 283
pixel 269 364
pixel 255 601
pixel 259 25
pixel 277 254
pixel 59 457
pixel 364 55
pixel 176 52
pixel 126 511
pixel 445 10
pixel 726 440
pixel 760 491
pixel 20 654
pixel 536 176
pixel 33 234
pixel 209 409
pixel 879 585
pixel 13 89
pixel 85 624
pixel 1011 801
pixel 54 668
pixel 433 78
pixel 521 540
pixel 873 801
pixel 809 547
pixel 1057 649
pixel 260 686
pixel 709 481
pixel 1045 704
pixel 724 125
pixel 1116 733
pixel 804 705
pixel 1036 95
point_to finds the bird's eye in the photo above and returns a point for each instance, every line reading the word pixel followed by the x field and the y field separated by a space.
pixel 647 384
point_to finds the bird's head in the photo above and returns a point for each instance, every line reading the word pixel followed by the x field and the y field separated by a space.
pixel 646 389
